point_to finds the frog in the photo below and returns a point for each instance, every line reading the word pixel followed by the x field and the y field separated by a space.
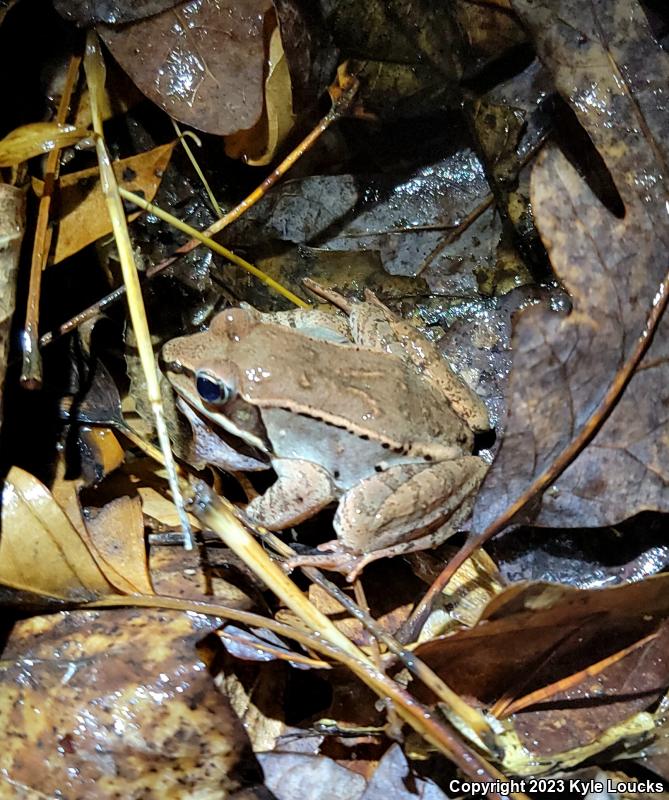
pixel 357 408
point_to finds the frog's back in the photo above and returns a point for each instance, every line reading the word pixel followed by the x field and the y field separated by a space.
pixel 366 391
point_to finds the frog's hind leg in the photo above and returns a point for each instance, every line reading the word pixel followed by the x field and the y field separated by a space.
pixel 301 490
pixel 408 501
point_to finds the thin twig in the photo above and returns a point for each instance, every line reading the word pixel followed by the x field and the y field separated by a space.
pixel 95 76
pixel 31 371
pixel 212 245
pixel 342 93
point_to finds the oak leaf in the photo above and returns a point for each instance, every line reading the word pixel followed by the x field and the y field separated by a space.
pixel 607 65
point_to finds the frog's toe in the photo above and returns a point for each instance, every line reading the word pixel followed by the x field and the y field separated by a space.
pixel 339 560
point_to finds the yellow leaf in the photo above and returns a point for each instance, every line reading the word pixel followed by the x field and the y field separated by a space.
pixel 40 550
pixel 117 533
pixel 83 211
pixel 36 139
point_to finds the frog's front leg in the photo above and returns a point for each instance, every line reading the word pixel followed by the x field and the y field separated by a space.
pixel 301 490
pixel 408 507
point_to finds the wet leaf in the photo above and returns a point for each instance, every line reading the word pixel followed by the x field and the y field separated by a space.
pixel 404 216
pixel 607 65
pixel 558 632
pixel 291 775
pixel 309 48
pixel 114 12
pixel 82 216
pixel 259 145
pixel 489 30
pixel 40 550
pixel 117 532
pixel 130 679
pixel 202 62
pixel 391 777
pixel 631 551
pixel 36 139
pixel 406 59
pixel 262 645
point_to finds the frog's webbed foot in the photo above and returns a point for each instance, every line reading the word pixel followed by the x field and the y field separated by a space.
pixel 301 490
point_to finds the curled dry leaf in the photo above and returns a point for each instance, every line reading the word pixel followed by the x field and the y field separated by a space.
pixel 117 532
pixel 102 704
pixel 202 62
pixel 609 68
pixel 40 550
pixel 82 216
pixel 12 226
pixel 36 139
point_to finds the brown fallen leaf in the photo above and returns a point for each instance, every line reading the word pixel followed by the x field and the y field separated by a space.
pixel 36 139
pixel 102 704
pixel 613 73
pixel 82 216
pixel 558 632
pixel 201 62
pixel 41 552
pixel 259 145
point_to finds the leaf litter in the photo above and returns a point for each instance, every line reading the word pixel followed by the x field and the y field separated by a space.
pixel 445 163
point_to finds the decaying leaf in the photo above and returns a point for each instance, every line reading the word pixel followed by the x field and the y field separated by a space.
pixel 403 216
pixel 202 62
pixel 311 53
pixel 290 775
pixel 83 216
pixel 607 65
pixel 36 139
pixel 558 632
pixel 99 704
pixel 294 774
pixel 40 550
pixel 404 65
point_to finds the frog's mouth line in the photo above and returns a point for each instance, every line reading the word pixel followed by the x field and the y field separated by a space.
pixel 182 381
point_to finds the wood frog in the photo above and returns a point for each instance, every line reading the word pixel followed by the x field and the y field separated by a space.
pixel 359 409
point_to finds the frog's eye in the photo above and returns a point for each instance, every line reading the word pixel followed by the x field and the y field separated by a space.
pixel 211 389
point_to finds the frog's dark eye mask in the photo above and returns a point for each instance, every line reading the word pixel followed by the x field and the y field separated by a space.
pixel 211 389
